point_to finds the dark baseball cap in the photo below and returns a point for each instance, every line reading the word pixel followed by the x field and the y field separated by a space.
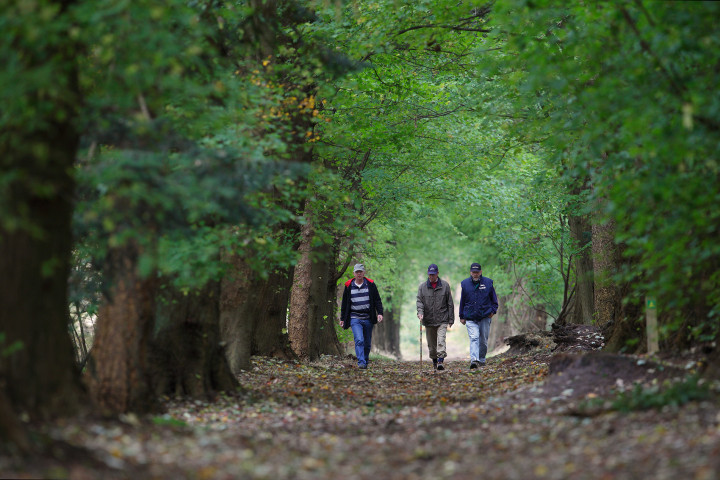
pixel 475 267
pixel 432 269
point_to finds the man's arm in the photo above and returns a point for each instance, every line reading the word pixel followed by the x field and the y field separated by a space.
pixel 450 305
pixel 378 302
pixel 419 303
pixel 494 300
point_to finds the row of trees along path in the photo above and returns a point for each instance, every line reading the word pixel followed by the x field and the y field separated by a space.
pixel 197 178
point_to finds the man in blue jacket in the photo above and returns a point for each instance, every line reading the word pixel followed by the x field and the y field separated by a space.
pixel 478 304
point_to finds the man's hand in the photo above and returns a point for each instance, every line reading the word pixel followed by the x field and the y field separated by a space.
pixel 342 324
pixel 420 316
pixel 379 318
pixel 462 320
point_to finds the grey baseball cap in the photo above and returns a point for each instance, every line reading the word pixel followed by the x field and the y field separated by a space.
pixel 359 267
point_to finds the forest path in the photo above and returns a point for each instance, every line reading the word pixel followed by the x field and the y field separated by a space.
pixel 327 420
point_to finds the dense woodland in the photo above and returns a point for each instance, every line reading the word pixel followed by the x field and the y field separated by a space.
pixel 184 185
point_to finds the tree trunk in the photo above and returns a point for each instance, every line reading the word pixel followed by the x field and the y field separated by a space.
pixel 503 325
pixel 386 335
pixel 515 315
pixel 583 300
pixel 253 313
pixel 36 162
pixel 270 317
pixel 622 324
pixel 121 379
pixel 188 358
pixel 605 264
pixel 301 308
pixel 312 313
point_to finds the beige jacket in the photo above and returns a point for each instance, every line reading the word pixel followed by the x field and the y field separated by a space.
pixel 435 305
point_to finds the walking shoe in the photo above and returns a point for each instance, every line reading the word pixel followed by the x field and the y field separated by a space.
pixel 473 365
pixel 435 363
pixel 362 367
pixel 440 365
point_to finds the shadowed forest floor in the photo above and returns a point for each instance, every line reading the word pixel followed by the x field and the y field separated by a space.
pixel 538 414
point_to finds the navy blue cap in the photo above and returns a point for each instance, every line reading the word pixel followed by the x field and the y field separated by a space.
pixel 475 267
pixel 432 269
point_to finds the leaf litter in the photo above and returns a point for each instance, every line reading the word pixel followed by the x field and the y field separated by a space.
pixel 519 417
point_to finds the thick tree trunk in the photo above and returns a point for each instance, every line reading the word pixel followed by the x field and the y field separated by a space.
pixel 188 358
pixel 35 245
pixel 301 308
pixel 121 378
pixel 270 317
pixel 40 376
pixel 583 300
pixel 622 324
pixel 386 335
pixel 237 299
pixel 253 313
pixel 311 321
pixel 605 264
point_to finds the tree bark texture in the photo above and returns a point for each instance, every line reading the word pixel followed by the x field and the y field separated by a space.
pixel 386 335
pixel 623 325
pixel 515 315
pixel 312 313
pixel 583 301
pixel 36 159
pixel 606 260
pixel 188 357
pixel 253 313
pixel 121 380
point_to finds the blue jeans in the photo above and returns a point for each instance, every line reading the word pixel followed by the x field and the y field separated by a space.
pixel 478 332
pixel 362 332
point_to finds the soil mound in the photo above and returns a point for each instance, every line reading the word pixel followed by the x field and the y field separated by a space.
pixel 598 373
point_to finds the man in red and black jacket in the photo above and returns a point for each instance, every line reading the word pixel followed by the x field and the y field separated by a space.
pixel 360 310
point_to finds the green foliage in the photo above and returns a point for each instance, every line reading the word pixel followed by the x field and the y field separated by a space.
pixel 344 336
pixel 168 421
pixel 621 96
pixel 190 134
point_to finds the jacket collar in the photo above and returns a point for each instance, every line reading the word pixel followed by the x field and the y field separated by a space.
pixel 347 284
pixel 429 285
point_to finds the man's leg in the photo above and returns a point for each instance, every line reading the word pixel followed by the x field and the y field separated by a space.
pixel 473 330
pixel 441 349
pixel 367 334
pixel 358 334
pixel 484 333
pixel 431 337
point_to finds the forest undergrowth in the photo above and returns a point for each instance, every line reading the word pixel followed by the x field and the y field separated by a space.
pixel 544 409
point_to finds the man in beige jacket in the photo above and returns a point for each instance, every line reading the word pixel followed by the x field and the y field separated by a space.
pixel 436 312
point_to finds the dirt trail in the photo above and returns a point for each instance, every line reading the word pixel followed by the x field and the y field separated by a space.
pixel 513 419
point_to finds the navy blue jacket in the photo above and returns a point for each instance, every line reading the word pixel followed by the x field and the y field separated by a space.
pixel 477 301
